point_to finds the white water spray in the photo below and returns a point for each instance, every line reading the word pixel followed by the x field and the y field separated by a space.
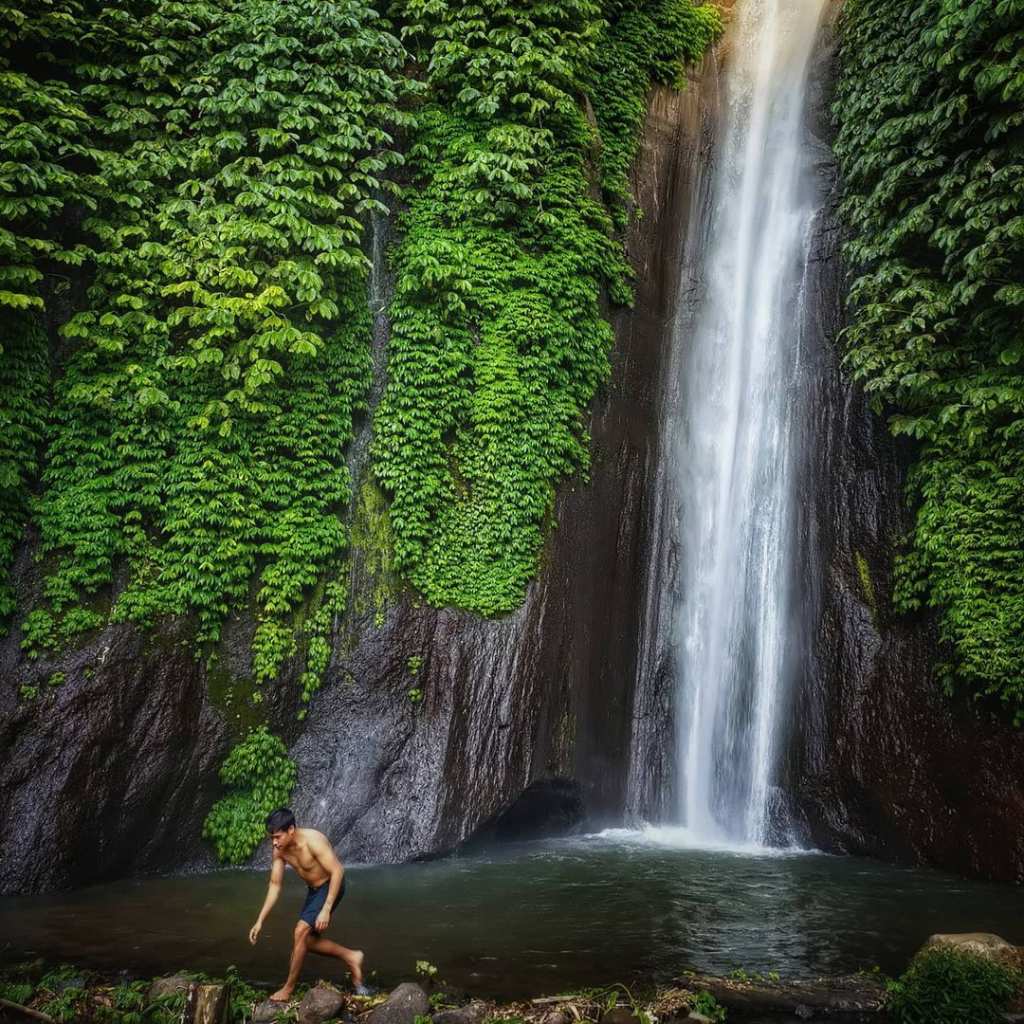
pixel 737 455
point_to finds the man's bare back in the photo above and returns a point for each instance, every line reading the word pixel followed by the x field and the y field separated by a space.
pixel 313 858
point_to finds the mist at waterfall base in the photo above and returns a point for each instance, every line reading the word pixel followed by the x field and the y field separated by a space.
pixel 533 918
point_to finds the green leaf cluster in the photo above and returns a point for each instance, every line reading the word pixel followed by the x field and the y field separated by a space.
pixel 261 778
pixel 948 986
pixel 931 148
pixel 643 43
pixel 43 142
pixel 500 336
pixel 183 210
pixel 211 369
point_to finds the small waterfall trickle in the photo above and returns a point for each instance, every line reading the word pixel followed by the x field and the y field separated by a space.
pixel 739 443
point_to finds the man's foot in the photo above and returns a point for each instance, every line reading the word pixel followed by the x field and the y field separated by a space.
pixel 282 995
pixel 356 967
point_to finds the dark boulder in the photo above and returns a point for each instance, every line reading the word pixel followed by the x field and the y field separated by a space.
pixel 319 1004
pixel 403 1006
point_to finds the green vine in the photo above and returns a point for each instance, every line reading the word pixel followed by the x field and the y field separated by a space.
pixel 931 113
pixel 499 337
pixel 212 376
pixel 207 169
pixel 261 777
pixel 43 128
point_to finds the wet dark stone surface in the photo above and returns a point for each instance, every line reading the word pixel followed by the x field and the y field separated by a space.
pixel 112 772
pixel 109 772
pixel 885 764
pixel 546 692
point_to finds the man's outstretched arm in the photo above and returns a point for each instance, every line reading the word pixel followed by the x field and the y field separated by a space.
pixel 273 891
pixel 324 853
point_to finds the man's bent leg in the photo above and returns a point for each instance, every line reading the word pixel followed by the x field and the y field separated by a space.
pixel 299 947
pixel 352 958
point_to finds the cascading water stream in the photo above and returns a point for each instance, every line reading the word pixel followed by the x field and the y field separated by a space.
pixel 739 435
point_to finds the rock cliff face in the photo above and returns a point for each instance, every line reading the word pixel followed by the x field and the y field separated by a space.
pixel 884 763
pixel 542 698
pixel 435 725
pixel 112 771
pixel 109 772
pixel 880 762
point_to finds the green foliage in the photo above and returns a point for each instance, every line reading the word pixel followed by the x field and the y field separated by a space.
pixel 426 969
pixel 127 1004
pixel 16 991
pixel 42 132
pixel 185 194
pixel 944 986
pixel 212 372
pixel 243 997
pixel 644 42
pixel 372 535
pixel 931 111
pixel 43 128
pixel 499 339
pixel 63 994
pixel 261 777
pixel 318 632
pixel 705 1003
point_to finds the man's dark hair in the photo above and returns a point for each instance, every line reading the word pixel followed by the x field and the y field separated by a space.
pixel 280 820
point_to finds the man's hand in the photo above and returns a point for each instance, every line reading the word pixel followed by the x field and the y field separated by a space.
pixel 254 932
pixel 323 919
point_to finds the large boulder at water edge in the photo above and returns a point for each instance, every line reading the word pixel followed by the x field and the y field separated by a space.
pixel 403 1006
pixel 173 985
pixel 320 1003
pixel 983 944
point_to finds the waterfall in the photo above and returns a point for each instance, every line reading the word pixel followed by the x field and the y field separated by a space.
pixel 738 442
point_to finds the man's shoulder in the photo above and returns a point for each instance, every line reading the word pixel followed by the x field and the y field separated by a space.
pixel 313 837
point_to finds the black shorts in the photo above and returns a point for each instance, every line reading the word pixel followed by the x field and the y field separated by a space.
pixel 315 900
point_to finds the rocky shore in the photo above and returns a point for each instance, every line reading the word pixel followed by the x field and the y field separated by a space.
pixel 972 978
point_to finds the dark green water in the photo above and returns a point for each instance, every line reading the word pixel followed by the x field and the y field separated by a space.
pixel 534 918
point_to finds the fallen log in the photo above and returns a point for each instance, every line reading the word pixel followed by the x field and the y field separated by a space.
pixel 854 997
pixel 25 1011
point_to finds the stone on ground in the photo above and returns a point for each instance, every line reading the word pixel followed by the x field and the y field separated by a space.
pixel 474 1013
pixel 268 1012
pixel 173 985
pixel 403 1006
pixel 983 944
pixel 320 1003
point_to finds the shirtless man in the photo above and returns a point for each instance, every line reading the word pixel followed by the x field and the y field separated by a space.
pixel 315 862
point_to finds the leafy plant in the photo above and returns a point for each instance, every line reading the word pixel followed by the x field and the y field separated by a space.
pixel 707 1005
pixel 261 777
pixel 499 336
pixel 945 986
pixel 425 969
pixel 214 364
pixel 16 991
pixel 930 101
